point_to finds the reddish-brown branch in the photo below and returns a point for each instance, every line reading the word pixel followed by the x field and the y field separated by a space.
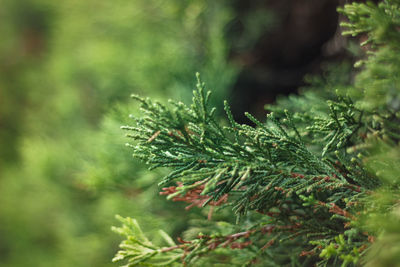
pixel 172 248
pixel 180 240
pixel 307 253
pixel 333 208
pixel 154 136
pixel 269 243
pixel 193 196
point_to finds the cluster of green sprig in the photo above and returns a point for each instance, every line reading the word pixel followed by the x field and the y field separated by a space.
pixel 274 168
pixel 302 179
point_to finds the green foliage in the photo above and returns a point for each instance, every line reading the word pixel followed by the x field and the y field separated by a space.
pixel 377 86
pixel 380 21
pixel 382 214
pixel 267 169
pixel 317 179
pixel 139 249
pixel 63 67
pixel 128 43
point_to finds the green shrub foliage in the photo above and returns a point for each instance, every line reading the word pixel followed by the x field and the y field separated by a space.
pixel 316 183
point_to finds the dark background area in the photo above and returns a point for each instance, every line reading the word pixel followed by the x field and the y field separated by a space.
pixel 302 35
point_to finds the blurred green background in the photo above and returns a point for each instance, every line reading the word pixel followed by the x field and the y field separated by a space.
pixel 67 69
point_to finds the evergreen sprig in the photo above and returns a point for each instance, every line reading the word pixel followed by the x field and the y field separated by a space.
pixel 305 180
pixel 138 249
pixel 277 169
